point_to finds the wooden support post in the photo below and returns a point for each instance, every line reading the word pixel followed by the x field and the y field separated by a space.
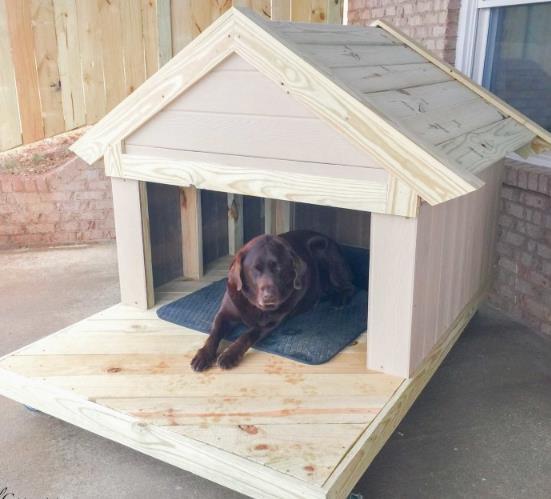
pixel 133 243
pixel 282 216
pixel 235 223
pixel 277 216
pixel 192 236
pixel 268 217
pixel 391 279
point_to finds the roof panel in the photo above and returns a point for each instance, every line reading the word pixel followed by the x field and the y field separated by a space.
pixel 403 84
pixel 391 76
pixel 339 55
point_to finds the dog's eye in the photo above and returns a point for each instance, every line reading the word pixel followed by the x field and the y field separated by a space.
pixel 258 267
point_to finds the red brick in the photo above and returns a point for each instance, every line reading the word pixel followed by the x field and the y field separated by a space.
pixel 535 200
pixel 18 184
pixel 511 177
pixel 544 251
pixel 513 238
pixel 518 210
pixel 538 279
pixel 99 185
pixel 6 183
pixel 543 183
pixel 510 193
pixel 41 185
pixel 508 264
pixel 536 309
pixel 90 195
pixel 40 228
pixel 10 230
pixel 522 179
pixel 533 178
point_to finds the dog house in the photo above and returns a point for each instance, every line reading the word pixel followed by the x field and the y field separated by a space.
pixel 281 125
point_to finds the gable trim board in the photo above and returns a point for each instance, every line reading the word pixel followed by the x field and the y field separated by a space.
pixel 276 180
pixel 430 171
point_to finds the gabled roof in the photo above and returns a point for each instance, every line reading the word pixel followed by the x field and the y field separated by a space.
pixel 424 122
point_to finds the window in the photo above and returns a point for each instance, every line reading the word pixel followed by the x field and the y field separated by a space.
pixel 505 45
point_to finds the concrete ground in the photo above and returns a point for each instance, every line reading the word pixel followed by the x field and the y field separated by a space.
pixel 481 429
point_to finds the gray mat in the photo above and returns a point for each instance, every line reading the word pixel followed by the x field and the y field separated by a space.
pixel 313 337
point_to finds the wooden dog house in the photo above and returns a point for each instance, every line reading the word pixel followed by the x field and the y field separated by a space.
pixel 355 118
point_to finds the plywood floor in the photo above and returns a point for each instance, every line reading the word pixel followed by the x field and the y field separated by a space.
pixel 295 419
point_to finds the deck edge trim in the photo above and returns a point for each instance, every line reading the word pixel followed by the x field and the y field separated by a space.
pixel 356 461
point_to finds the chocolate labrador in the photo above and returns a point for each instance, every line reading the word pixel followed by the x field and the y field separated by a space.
pixel 272 278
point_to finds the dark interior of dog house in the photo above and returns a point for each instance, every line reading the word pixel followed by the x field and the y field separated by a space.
pixel 349 228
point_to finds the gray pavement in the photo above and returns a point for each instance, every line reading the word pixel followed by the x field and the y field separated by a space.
pixel 481 429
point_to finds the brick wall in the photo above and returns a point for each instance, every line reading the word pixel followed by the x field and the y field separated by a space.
pixel 431 22
pixel 69 204
pixel 522 285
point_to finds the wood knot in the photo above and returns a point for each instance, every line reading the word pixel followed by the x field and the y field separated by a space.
pixel 309 469
pixel 114 370
pixel 249 428
pixel 233 211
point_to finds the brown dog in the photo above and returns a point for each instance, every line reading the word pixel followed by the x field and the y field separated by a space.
pixel 271 278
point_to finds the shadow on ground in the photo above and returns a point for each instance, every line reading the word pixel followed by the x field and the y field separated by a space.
pixel 481 428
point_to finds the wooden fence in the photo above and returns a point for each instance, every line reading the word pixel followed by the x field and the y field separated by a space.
pixel 65 63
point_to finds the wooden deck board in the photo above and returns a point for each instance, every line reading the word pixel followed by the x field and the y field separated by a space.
pixel 296 419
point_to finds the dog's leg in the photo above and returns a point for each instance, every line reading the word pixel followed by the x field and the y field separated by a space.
pixel 340 276
pixel 233 354
pixel 206 355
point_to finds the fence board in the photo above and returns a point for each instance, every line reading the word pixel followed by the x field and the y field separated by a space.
pixel 90 32
pixel 134 67
pixel 10 125
pixel 281 10
pixel 45 46
pixel 112 52
pixel 150 34
pixel 68 60
pixel 181 24
pixel 26 77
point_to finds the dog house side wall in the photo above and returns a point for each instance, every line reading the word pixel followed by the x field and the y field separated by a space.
pixel 424 271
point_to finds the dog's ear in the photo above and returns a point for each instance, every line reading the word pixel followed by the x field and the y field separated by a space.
pixel 234 274
pixel 316 244
pixel 299 265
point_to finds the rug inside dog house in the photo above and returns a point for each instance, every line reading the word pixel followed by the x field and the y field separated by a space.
pixel 355 132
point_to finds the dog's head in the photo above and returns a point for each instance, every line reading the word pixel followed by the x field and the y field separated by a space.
pixel 267 271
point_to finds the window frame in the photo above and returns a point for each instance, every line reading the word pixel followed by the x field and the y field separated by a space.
pixel 472 41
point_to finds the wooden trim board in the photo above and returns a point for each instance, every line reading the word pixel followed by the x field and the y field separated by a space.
pixel 235 223
pixel 192 235
pixel 133 243
pixel 363 195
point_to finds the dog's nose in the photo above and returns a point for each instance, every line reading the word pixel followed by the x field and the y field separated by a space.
pixel 267 293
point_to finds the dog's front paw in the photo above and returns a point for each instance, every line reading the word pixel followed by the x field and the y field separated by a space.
pixel 228 358
pixel 203 360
